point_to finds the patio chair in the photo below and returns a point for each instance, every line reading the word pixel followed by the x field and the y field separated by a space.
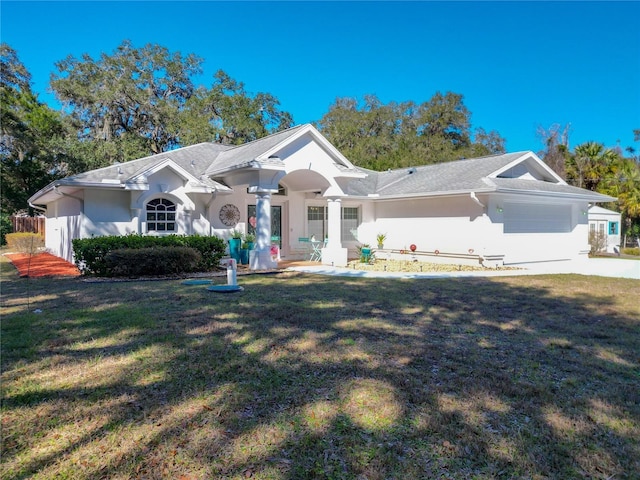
pixel 316 251
pixel 306 241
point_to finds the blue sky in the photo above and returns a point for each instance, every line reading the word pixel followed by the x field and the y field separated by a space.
pixel 519 65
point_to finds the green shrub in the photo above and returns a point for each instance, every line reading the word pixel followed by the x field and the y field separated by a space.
pixel 5 227
pixel 129 262
pixel 631 251
pixel 25 242
pixel 90 253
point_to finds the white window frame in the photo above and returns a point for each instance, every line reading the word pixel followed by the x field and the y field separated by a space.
pixel 170 216
pixel 346 224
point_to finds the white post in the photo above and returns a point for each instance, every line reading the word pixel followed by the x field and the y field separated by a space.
pixel 334 226
pixel 231 272
pixel 333 253
pixel 260 258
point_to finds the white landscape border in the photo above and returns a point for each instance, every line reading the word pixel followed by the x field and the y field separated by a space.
pixel 604 267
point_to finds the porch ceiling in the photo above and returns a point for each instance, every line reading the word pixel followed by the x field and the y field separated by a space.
pixel 305 181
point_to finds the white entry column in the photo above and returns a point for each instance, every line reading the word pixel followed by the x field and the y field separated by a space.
pixel 260 257
pixel 333 253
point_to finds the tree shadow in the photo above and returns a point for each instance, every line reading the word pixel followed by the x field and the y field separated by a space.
pixel 306 377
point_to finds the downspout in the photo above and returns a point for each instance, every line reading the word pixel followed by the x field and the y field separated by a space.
pixel 476 200
pixel 35 207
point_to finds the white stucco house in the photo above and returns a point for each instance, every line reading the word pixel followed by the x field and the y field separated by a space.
pixel 606 223
pixel 294 185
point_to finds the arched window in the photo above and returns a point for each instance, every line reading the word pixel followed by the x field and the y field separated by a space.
pixel 161 215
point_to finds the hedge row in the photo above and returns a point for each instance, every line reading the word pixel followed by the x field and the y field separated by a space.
pixel 130 262
pixel 91 253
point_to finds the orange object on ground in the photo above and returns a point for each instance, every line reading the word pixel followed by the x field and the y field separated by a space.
pixel 42 265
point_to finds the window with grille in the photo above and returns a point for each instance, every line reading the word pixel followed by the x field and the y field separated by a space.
pixel 317 220
pixel 161 215
pixel 350 223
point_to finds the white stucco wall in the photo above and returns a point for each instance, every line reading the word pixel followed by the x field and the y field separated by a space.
pixel 107 212
pixel 63 224
pixel 547 240
pixel 452 225
pixel 459 225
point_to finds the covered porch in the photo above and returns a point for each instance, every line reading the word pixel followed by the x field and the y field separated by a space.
pixel 292 192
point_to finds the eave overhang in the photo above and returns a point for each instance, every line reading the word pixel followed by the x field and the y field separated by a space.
pixel 254 164
pixel 588 197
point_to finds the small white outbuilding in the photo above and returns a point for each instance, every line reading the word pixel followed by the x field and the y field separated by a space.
pixel 605 224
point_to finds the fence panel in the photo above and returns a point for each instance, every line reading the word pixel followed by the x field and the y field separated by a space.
pixel 28 224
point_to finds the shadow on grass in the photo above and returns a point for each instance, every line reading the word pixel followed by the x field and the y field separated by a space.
pixel 308 377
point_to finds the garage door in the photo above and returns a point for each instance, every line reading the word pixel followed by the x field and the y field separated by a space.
pixel 533 218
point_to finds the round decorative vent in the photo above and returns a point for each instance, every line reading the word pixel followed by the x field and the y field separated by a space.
pixel 229 215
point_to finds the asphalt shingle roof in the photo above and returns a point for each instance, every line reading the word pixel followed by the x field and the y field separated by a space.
pixel 441 177
pixel 471 175
pixel 194 159
pixel 207 159
pixel 242 155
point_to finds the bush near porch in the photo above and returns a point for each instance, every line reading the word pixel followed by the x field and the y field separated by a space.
pixel 136 262
pixel 91 253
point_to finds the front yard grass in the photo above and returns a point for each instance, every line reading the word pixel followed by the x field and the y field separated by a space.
pixel 303 376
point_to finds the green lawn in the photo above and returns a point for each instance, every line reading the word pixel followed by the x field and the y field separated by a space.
pixel 303 376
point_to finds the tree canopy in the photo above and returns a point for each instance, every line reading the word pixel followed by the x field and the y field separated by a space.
pixel 143 101
pixel 594 167
pixel 378 136
pixel 28 132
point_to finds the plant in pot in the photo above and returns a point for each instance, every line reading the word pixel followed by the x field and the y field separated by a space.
pixel 250 240
pixel 244 253
pixel 248 243
pixel 234 245
pixel 380 239
pixel 365 254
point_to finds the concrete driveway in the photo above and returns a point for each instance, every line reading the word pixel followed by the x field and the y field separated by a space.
pixel 603 267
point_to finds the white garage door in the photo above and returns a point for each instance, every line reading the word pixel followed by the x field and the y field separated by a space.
pixel 533 218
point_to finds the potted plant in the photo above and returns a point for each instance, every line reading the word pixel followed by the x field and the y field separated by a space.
pixel 244 254
pixel 365 253
pixel 380 239
pixel 234 245
pixel 250 240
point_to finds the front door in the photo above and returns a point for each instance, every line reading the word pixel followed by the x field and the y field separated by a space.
pixel 276 223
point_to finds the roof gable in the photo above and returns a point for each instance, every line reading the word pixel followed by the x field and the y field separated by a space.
pixel 167 163
pixel 266 151
pixel 528 167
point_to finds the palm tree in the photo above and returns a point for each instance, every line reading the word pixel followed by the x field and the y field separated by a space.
pixel 590 164
pixel 624 183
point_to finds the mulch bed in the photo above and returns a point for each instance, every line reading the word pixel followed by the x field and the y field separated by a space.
pixel 42 265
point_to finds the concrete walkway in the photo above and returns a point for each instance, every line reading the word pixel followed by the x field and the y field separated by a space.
pixel 603 267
